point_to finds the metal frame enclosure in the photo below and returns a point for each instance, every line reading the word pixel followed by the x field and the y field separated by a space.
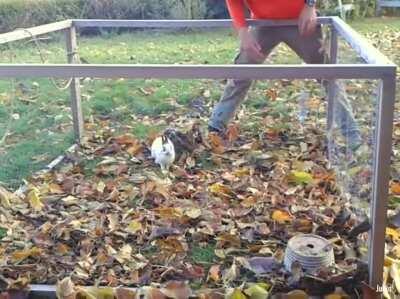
pixel 376 66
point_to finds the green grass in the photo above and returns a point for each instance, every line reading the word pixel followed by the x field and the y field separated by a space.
pixel 41 125
pixel 376 24
pixel 203 255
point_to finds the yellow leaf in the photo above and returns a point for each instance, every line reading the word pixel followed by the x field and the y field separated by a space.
pixel 96 293
pixel 21 255
pixel 193 213
pixel 257 291
pixel 300 177
pixel 34 199
pixel 220 189
pixel 134 227
pixel 100 187
pixel 237 294
pixel 242 172
pixel 393 233
pixel 281 216
pixel 124 254
pixel 395 188
pixel 5 197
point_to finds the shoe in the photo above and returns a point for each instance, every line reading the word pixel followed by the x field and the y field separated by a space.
pixel 216 131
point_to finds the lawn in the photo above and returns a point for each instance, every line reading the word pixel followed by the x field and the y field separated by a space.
pixel 222 217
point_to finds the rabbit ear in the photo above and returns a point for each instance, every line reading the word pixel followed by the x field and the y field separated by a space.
pixel 164 139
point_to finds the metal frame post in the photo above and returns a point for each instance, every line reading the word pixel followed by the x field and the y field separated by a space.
pixel 381 175
pixel 331 90
pixel 75 89
pixel 331 83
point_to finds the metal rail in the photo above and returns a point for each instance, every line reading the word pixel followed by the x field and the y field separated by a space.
pixel 173 71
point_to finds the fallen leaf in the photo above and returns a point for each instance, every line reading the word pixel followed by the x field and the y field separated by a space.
pixel 134 227
pixel 214 273
pixel 5 197
pixel 300 177
pixel 122 293
pixel 395 188
pixel 395 274
pixel 281 216
pixel 20 255
pixel 65 289
pixel 217 144
pixel 95 293
pixel 262 265
pixel 193 213
pixel 393 233
pixel 34 199
pixel 176 290
pixel 297 294
pixel 151 293
pixel 158 232
pixel 232 132
pixel 236 294
pixel 221 190
pixel 230 274
pixel 257 291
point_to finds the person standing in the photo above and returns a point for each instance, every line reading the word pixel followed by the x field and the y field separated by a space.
pixel 256 43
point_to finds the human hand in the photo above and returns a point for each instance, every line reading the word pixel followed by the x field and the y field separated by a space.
pixel 307 21
pixel 249 44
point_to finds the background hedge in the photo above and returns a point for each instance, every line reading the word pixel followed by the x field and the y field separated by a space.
pixel 26 13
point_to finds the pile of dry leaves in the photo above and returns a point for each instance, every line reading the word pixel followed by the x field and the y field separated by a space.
pixel 216 226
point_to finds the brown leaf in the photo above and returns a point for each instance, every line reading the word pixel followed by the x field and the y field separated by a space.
pixel 177 290
pixel 216 142
pixel 303 225
pixel 122 293
pixel 214 273
pixel 226 239
pixel 271 94
pixel 232 132
pixel 20 255
pixel 169 213
pixel 171 245
pixel 151 293
pixel 126 139
pixel 65 289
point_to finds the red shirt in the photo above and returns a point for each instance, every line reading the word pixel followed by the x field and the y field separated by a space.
pixel 263 9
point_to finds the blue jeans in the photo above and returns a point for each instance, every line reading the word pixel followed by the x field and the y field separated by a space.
pixel 307 48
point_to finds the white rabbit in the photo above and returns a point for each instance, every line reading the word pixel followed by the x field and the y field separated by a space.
pixel 163 152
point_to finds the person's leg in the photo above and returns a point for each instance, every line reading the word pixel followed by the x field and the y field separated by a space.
pixel 236 90
pixel 310 49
